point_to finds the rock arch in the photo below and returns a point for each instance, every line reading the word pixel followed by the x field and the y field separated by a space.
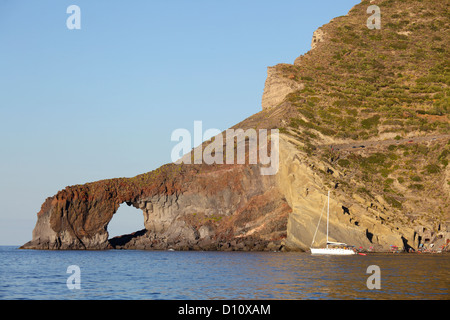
pixel 184 207
pixel 125 221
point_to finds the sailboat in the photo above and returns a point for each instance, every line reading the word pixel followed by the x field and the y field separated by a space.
pixel 332 248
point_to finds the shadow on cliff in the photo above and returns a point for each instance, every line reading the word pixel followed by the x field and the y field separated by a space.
pixel 406 246
pixel 121 241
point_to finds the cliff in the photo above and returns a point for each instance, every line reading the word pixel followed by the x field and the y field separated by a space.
pixel 363 114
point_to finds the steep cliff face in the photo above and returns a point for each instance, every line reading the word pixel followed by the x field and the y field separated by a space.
pixel 277 87
pixel 364 114
pixel 372 122
pixel 318 37
pixel 304 182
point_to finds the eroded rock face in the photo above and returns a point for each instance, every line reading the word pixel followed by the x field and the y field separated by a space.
pixel 351 221
pixel 184 207
pixel 318 37
pixel 277 87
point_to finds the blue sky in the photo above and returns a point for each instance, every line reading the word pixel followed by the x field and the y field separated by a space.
pixel 101 102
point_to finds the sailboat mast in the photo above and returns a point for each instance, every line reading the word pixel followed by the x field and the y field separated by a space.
pixel 328 214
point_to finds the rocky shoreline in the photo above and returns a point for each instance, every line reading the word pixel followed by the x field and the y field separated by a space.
pixel 143 240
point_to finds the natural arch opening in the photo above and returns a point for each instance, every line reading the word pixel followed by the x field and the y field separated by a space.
pixel 125 221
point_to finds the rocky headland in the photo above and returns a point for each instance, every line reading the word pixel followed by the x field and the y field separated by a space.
pixel 364 114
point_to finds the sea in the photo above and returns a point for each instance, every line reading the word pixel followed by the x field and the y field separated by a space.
pixel 194 275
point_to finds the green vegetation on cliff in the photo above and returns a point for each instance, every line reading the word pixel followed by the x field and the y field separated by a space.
pixel 360 83
pixel 363 85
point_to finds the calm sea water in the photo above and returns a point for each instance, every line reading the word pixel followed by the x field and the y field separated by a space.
pixel 28 274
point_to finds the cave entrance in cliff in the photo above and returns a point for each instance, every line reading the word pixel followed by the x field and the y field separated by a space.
pixel 126 220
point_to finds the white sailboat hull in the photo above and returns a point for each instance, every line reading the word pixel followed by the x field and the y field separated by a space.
pixel 332 251
pixel 337 248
